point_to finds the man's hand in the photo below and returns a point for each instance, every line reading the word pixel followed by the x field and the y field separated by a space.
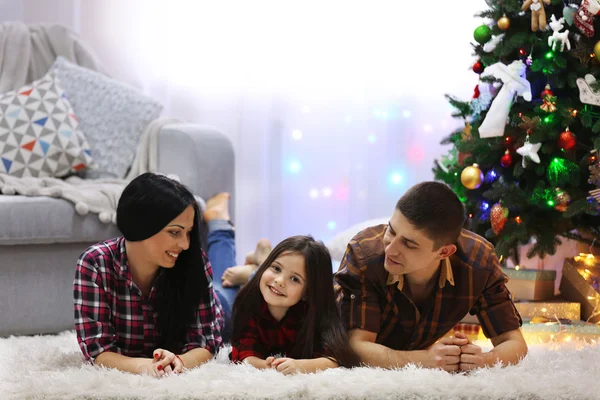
pixel 445 354
pixel 287 366
pixel 471 356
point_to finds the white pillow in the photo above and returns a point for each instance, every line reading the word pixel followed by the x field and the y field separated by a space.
pixel 112 114
pixel 337 245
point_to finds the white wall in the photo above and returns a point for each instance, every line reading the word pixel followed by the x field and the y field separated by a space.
pixel 11 10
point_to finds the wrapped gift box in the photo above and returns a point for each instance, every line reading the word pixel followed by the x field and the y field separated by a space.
pixel 560 332
pixel 530 284
pixel 551 309
pixel 575 287
pixel 473 331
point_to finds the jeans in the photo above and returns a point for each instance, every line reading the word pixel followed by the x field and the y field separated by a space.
pixel 221 254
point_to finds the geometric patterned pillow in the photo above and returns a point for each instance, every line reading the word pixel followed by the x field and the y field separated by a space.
pixel 39 133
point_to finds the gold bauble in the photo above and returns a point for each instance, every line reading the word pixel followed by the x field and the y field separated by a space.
pixel 504 23
pixel 597 50
pixel 471 177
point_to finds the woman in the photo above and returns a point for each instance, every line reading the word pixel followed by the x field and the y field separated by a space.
pixel 144 302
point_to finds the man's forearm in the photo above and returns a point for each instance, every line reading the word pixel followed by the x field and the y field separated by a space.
pixel 508 352
pixel 377 355
pixel 195 357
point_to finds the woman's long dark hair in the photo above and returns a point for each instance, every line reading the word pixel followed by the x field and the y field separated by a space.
pixel 322 326
pixel 146 206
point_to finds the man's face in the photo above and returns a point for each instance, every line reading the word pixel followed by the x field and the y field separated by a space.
pixel 407 249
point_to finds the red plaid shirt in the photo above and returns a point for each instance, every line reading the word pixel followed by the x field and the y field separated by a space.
pixel 265 336
pixel 471 282
pixel 111 313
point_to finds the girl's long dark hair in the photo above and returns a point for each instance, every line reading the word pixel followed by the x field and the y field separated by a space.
pixel 146 206
pixel 322 326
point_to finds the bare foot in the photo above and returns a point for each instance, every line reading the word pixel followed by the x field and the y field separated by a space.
pixel 263 249
pixel 250 259
pixel 217 207
pixel 238 275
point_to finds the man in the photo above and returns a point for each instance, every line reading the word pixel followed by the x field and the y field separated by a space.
pixel 403 286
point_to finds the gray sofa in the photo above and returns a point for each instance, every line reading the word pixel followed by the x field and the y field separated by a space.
pixel 41 237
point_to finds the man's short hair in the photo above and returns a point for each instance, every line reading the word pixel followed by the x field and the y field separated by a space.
pixel 435 209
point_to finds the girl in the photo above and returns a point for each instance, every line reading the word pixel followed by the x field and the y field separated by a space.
pixel 288 310
pixel 144 302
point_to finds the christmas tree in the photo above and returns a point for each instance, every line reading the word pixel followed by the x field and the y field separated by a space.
pixel 526 163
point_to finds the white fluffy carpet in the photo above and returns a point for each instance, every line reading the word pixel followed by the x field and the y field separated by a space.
pixel 51 367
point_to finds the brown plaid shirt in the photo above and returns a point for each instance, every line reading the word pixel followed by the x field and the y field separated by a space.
pixel 471 281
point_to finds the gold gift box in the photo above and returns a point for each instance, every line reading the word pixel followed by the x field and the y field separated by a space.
pixel 574 287
pixel 549 309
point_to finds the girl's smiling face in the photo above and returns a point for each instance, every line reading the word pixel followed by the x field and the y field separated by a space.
pixel 283 283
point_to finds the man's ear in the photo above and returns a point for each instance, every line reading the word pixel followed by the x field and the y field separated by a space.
pixel 446 251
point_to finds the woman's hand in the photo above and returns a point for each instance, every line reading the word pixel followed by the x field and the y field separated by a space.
pixel 148 366
pixel 167 362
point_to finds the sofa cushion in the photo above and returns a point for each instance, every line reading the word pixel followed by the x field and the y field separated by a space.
pixel 44 220
pixel 39 133
pixel 112 114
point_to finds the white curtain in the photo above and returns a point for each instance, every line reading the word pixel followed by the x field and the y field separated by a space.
pixel 334 108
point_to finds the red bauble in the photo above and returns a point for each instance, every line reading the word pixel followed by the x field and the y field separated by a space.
pixel 546 92
pixel 478 67
pixel 523 52
pixel 506 160
pixel 567 140
pixel 476 92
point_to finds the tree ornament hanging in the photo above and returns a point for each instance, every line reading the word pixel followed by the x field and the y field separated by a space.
pixel 478 67
pixel 498 217
pixel 547 91
pixel 569 12
pixel 506 160
pixel 558 37
pixel 538 14
pixel 549 100
pixel 529 151
pixel 597 50
pixel 466 132
pixel 584 18
pixel 561 200
pixel 586 94
pixel 567 140
pixel 561 172
pixel 503 23
pixel 514 83
pixel 529 124
pixel 482 34
pixel 471 177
